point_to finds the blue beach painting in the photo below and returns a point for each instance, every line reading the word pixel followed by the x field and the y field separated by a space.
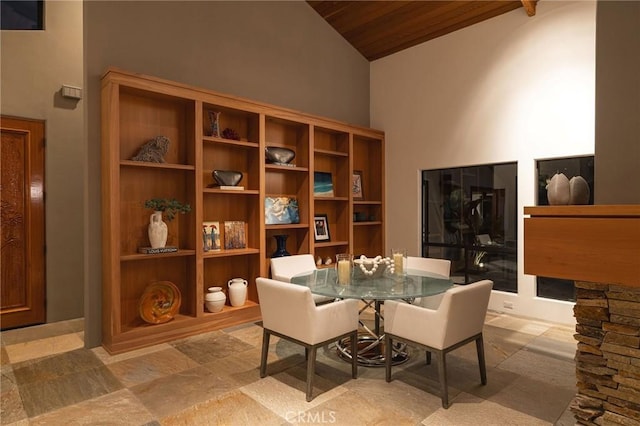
pixel 322 184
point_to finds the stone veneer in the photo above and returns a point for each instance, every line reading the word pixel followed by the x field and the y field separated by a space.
pixel 608 354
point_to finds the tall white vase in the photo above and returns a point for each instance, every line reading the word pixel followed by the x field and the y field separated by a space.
pixel 157 230
pixel 237 291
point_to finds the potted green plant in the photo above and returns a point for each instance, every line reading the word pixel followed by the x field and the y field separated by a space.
pixel 157 228
pixel 170 207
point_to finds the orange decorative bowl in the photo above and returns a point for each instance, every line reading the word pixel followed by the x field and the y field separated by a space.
pixel 160 302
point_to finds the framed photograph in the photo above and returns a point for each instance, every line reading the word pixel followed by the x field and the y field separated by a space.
pixel 321 228
pixel 281 210
pixel 211 236
pixel 356 185
pixel 322 184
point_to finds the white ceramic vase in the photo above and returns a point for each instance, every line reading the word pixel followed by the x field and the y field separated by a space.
pixel 558 191
pixel 215 299
pixel 157 230
pixel 237 291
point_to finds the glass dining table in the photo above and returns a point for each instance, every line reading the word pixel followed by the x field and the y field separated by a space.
pixel 373 291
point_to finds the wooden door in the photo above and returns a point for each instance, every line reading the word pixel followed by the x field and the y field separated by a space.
pixel 22 236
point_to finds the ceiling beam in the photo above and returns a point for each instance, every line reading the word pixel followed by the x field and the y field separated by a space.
pixel 529 6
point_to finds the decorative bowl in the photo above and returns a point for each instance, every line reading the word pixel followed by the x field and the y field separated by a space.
pixel 279 155
pixel 159 302
pixel 227 177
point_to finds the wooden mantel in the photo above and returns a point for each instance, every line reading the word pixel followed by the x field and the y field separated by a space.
pixel 598 243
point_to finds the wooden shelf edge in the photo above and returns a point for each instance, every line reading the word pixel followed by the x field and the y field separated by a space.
pixel 231 191
pixel 144 164
pixel 367 223
pixel 140 256
pixel 331 244
pixel 231 252
pixel 286 226
pixel 330 198
pixel 364 203
pixel 331 153
pixel 279 168
pixel 617 210
pixel 244 144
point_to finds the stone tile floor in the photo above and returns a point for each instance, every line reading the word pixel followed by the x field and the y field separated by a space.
pixel 49 378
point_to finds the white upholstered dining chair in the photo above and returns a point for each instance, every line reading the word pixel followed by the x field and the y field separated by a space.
pixel 288 311
pixel 456 321
pixel 286 267
pixel 429 264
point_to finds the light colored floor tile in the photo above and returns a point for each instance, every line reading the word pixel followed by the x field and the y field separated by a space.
pixel 43 347
pixel 521 325
pixel 142 369
pixel 170 395
pixel 107 359
pixel 472 411
pixel 43 331
pixel 11 408
pixel 117 408
pixel 234 408
pixel 284 399
pixel 557 372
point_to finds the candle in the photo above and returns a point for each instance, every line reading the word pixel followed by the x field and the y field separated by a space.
pixel 344 271
pixel 398 263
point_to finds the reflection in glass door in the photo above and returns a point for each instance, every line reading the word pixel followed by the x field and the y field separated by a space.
pixel 469 217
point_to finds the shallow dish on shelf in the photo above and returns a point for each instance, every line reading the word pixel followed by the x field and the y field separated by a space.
pixel 227 177
pixel 160 302
pixel 279 155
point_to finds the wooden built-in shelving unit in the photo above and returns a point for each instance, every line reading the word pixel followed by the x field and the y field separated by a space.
pixel 137 108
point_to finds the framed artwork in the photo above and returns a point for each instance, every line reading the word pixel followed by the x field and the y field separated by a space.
pixel 322 184
pixel 281 210
pixel 235 235
pixel 321 228
pixel 356 185
pixel 211 236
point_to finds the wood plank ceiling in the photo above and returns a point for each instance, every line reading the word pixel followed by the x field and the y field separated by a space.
pixel 379 28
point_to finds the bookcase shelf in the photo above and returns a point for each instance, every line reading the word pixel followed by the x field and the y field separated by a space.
pixel 210 131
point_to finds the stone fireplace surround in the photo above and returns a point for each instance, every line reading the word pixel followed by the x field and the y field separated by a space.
pixel 607 355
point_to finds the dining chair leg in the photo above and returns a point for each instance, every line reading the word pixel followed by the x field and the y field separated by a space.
pixel 442 373
pixel 354 355
pixel 387 357
pixel 481 362
pixel 265 353
pixel 428 357
pixel 311 364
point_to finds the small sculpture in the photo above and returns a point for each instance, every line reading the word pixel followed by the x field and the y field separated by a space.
pixel 154 150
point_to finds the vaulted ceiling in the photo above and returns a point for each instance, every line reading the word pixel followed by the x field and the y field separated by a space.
pixel 379 28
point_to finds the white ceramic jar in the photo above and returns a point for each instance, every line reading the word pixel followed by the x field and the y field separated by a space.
pixel 215 299
pixel 237 291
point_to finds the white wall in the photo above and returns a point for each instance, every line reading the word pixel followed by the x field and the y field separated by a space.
pixel 512 88
pixel 35 65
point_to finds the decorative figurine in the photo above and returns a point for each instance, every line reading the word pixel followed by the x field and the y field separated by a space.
pixel 154 150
